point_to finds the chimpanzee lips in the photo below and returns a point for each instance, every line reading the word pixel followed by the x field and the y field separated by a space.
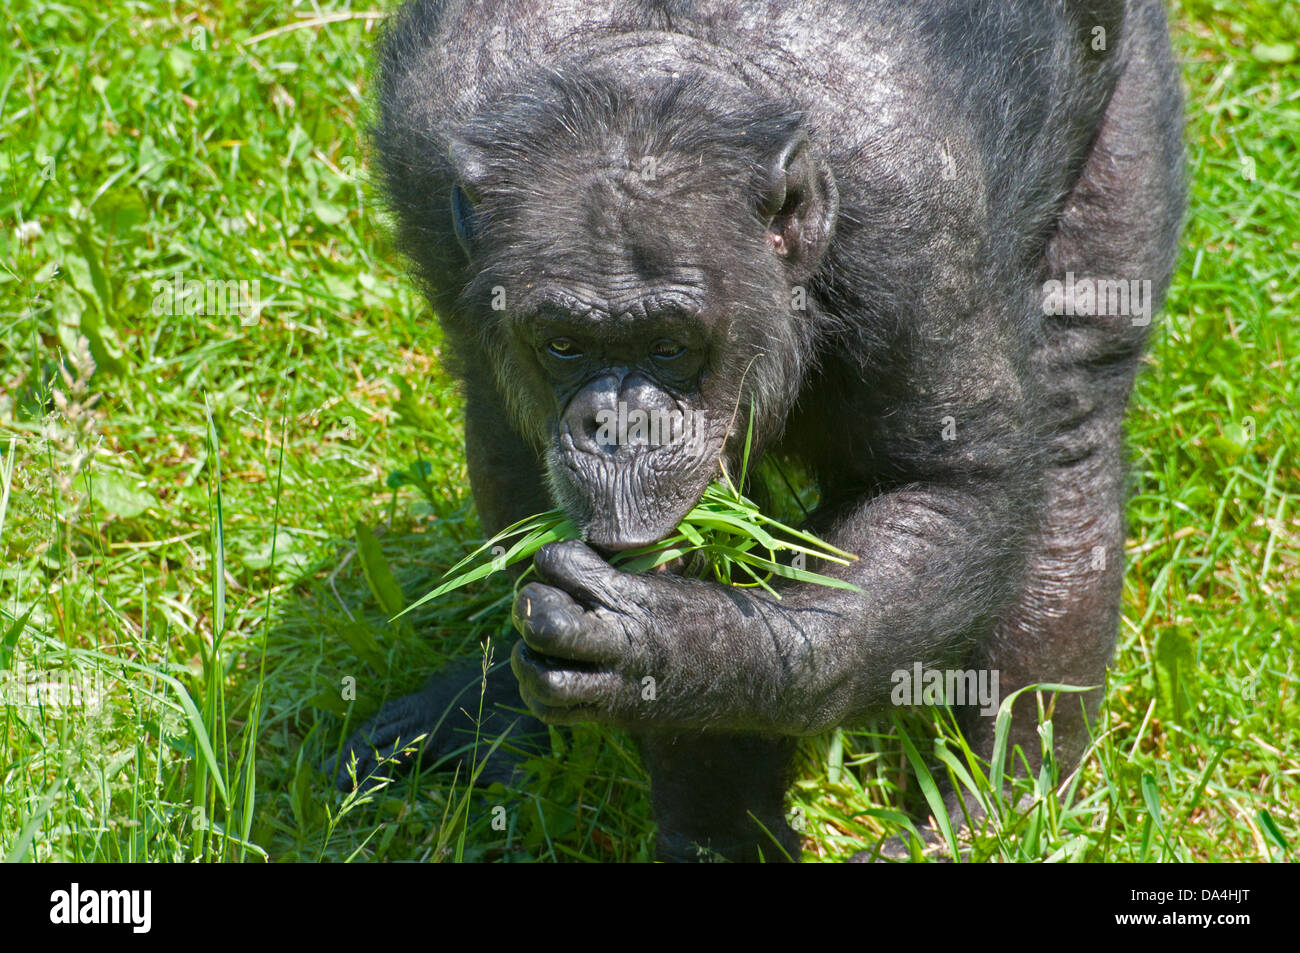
pixel 633 497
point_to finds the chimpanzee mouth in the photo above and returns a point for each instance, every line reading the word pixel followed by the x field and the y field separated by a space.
pixel 672 566
pixel 630 499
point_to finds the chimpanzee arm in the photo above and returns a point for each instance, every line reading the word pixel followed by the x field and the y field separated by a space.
pixel 936 561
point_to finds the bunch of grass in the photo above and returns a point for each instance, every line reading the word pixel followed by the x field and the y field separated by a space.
pixel 725 536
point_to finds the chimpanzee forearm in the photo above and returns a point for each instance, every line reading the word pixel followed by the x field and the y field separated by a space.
pixel 935 566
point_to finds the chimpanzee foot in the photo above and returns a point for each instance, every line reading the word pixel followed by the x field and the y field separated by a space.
pixel 438 725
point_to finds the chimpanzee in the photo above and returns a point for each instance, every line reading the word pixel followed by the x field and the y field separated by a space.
pixel 918 242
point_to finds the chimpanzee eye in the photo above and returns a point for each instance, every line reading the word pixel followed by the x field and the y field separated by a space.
pixel 563 348
pixel 666 349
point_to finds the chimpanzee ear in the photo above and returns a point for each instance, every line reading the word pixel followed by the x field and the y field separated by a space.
pixel 800 203
pixel 466 193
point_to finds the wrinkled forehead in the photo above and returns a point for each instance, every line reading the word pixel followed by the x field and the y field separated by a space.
pixel 629 218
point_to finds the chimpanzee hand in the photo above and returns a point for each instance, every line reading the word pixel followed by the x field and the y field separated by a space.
pixel 634 650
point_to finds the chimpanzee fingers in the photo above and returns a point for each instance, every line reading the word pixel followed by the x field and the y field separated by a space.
pixel 555 691
pixel 553 624
pixel 579 570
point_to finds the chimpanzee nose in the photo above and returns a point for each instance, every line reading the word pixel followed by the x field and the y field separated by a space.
pixel 620 410
pixel 588 411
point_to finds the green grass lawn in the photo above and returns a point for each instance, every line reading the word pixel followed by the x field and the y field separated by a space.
pixel 202 515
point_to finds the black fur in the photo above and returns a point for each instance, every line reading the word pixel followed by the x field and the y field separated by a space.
pixel 577 182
